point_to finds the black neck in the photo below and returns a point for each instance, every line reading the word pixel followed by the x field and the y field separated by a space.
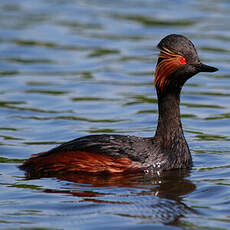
pixel 169 129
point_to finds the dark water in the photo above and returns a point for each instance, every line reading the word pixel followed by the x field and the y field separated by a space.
pixel 72 68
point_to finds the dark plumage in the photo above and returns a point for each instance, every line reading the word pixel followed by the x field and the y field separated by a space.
pixel 178 61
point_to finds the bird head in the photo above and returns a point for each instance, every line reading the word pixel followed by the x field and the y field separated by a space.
pixel 177 62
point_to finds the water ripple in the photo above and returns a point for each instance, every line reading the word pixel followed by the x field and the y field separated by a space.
pixel 73 68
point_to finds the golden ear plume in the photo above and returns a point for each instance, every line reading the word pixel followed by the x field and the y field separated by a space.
pixel 170 63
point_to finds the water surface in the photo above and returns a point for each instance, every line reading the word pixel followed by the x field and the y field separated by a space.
pixel 73 68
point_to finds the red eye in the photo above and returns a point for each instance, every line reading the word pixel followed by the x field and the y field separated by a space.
pixel 182 60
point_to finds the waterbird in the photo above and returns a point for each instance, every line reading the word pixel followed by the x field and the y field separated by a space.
pixel 109 154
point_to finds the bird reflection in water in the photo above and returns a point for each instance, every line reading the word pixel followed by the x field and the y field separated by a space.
pixel 154 198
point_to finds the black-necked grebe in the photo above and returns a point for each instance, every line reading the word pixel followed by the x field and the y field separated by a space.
pixel 178 61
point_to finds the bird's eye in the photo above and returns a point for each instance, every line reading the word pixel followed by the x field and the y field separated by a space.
pixel 182 60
